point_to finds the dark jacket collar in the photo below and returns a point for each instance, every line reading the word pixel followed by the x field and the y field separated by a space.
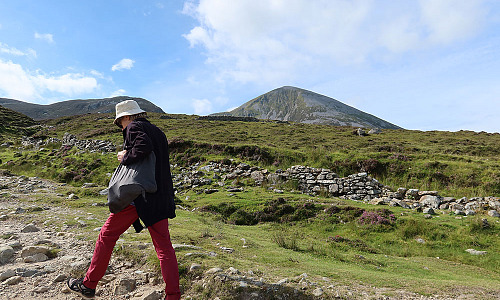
pixel 124 132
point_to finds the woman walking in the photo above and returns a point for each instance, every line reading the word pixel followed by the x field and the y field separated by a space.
pixel 140 139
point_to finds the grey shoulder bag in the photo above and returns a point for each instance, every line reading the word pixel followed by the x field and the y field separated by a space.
pixel 130 181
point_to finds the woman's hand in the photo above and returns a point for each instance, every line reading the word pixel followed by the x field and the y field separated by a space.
pixel 120 155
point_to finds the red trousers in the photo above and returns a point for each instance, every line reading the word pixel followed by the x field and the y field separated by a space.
pixel 116 225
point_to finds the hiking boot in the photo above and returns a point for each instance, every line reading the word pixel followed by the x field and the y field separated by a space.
pixel 76 286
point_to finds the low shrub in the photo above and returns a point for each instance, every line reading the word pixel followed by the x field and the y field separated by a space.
pixel 356 244
pixel 343 214
pixel 379 217
pixel 278 211
pixel 479 224
pixel 225 209
pixel 410 228
pixel 285 240
pixel 242 217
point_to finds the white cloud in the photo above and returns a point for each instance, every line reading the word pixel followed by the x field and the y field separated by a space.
pixel 70 84
pixel 449 20
pixel 97 73
pixel 276 41
pixel 120 92
pixel 17 83
pixel 4 48
pixel 201 106
pixel 44 36
pixel 124 64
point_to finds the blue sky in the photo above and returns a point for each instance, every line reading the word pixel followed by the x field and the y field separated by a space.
pixel 420 64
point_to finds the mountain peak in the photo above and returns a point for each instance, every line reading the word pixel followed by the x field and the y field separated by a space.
pixel 289 103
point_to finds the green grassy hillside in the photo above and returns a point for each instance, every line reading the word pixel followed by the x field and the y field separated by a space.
pixel 357 248
pixel 457 164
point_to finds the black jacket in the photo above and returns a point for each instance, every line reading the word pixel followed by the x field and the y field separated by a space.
pixel 141 137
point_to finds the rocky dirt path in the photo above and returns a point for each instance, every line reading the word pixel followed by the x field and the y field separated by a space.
pixel 38 253
pixel 36 258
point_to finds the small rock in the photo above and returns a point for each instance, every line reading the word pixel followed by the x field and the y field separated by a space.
pixel 15 244
pixel 73 197
pixel 282 281
pixel 429 200
pixel 243 284
pixel 20 210
pixel 32 250
pixel 377 201
pixel 195 254
pixel 475 252
pixel 194 267
pixel 427 216
pixel 3 217
pixel 79 266
pixel 38 257
pixel 360 132
pixel 30 228
pixel 155 280
pixel 233 271
pixel 89 185
pixel 444 206
pixel 48 269
pixel 6 253
pixel 27 272
pixel 230 250
pixel 13 280
pixel 470 212
pixel 318 292
pixel 60 278
pixel 152 295
pixel 41 289
pixel 420 241
pixel 493 213
pixel 213 271
pixel 7 274
pixel 125 286
pixel 429 211
pixel 184 246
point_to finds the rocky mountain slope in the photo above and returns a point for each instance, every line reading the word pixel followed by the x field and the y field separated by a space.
pixel 298 105
pixel 73 107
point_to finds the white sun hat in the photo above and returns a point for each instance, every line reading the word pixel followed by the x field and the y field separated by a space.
pixel 127 108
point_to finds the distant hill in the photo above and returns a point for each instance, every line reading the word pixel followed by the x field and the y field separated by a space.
pixel 73 107
pixel 13 122
pixel 298 105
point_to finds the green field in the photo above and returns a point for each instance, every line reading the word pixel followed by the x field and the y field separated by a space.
pixel 293 233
